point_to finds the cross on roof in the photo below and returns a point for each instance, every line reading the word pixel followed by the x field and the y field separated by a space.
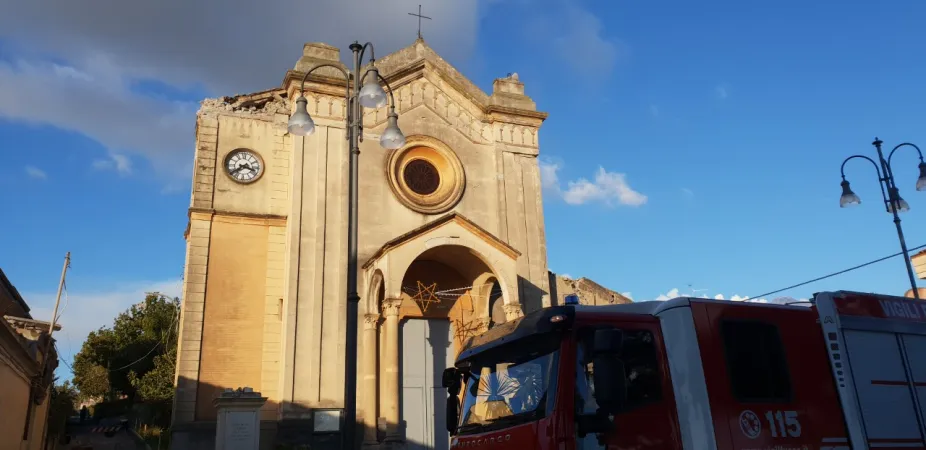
pixel 419 16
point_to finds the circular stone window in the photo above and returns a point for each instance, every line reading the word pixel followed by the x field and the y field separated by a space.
pixel 421 177
pixel 426 176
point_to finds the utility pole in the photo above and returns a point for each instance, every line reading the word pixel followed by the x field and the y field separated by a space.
pixel 51 330
pixel 54 314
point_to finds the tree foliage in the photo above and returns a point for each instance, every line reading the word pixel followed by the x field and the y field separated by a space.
pixel 134 355
pixel 158 383
pixel 63 405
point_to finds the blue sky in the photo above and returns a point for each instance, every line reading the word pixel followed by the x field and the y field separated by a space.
pixel 717 130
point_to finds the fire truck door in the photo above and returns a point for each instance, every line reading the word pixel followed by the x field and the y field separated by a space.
pixel 648 420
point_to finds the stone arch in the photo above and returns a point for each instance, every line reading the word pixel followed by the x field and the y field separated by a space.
pixel 375 289
pixel 482 287
pixel 495 266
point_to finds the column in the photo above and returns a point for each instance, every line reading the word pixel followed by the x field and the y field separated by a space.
pixel 368 360
pixel 512 311
pixel 390 401
pixel 481 325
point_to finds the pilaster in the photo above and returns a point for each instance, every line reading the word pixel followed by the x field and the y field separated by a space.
pixel 368 365
pixel 390 395
pixel 189 345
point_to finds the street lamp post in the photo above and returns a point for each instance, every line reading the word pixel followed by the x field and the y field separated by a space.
pixel 893 203
pixel 358 96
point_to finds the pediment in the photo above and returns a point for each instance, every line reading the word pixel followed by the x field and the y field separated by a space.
pixel 430 230
pixel 416 62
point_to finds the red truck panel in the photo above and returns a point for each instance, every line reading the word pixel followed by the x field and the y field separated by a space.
pixel 877 349
pixel 803 412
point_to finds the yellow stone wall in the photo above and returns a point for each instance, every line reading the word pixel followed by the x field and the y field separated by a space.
pixel 263 254
pixel 919 264
pixel 233 328
pixel 234 272
pixel 14 390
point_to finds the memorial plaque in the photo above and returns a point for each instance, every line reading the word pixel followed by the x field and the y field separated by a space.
pixel 239 430
pixel 238 426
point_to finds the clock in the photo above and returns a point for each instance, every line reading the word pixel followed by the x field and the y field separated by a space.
pixel 244 166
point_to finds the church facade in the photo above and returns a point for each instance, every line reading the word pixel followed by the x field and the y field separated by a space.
pixel 451 242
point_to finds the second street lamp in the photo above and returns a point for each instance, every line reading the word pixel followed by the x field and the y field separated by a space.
pixel 893 202
pixel 370 95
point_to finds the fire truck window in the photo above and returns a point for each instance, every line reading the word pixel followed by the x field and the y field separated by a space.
pixel 641 363
pixel 756 361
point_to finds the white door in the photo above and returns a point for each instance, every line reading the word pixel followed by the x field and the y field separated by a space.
pixel 427 349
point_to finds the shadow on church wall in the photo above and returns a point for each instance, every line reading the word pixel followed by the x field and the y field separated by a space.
pixel 280 434
pixel 531 295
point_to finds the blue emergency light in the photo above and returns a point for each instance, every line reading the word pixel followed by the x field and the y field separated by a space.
pixel 572 299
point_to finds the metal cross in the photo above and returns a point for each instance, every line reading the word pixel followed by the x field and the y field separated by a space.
pixel 419 16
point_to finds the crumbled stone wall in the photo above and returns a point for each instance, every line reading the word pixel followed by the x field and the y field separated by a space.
pixel 590 292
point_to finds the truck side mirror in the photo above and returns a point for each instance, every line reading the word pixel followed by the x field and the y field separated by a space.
pixel 450 380
pixel 610 382
pixel 453 414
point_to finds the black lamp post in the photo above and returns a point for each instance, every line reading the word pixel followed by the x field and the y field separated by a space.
pixel 368 95
pixel 893 203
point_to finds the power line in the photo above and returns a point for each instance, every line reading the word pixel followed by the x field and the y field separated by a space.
pixel 164 340
pixel 834 274
pixel 67 301
pixel 63 359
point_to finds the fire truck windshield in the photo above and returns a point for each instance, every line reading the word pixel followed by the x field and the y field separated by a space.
pixel 510 384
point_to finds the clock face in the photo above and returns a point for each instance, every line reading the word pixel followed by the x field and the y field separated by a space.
pixel 243 166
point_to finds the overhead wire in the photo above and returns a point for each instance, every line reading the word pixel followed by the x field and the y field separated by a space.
pixel 452 292
pixel 164 340
pixel 804 283
pixel 64 360
pixel 67 301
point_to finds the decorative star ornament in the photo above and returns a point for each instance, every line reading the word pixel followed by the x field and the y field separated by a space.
pixel 425 296
pixel 464 330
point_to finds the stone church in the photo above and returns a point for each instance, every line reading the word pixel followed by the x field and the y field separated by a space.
pixel 451 242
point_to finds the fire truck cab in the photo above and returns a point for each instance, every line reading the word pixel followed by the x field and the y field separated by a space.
pixel 846 370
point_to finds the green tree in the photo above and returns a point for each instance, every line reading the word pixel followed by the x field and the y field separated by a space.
pixel 63 405
pixel 157 385
pixel 118 360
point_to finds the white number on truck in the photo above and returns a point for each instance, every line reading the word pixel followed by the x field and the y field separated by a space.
pixel 783 423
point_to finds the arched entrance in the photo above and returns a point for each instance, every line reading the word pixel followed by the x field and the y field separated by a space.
pixel 445 300
pixel 425 294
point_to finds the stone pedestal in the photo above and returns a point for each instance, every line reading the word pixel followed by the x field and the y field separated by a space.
pixel 238 421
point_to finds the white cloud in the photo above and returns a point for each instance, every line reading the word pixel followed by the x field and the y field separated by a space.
pixel 119 163
pixel 548 174
pixel 35 172
pixel 98 102
pixel 674 293
pixel 102 50
pixel 627 294
pixel 83 311
pixel 231 46
pixel 721 92
pixel 607 187
pixel 583 45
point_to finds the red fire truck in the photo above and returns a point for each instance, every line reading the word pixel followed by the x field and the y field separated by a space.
pixel 846 370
